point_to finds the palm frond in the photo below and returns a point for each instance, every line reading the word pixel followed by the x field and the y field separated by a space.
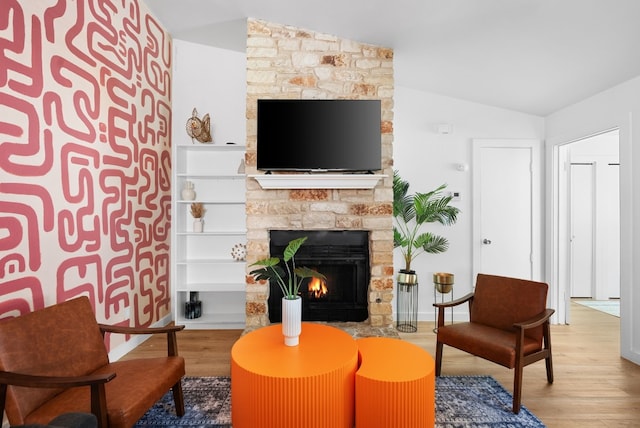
pixel 398 239
pixel 432 244
pixel 403 205
pixel 411 212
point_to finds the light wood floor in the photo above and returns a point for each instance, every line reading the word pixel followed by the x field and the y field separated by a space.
pixel 593 386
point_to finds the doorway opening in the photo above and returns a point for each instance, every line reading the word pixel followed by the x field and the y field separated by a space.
pixel 589 220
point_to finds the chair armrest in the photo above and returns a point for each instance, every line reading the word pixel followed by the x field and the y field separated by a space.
pixel 95 382
pixel 442 306
pixel 170 331
pixel 535 321
pixel 456 302
pixel 32 381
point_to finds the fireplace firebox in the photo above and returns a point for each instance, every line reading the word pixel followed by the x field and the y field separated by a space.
pixel 343 258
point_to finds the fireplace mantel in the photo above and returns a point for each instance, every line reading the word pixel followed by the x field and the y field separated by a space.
pixel 318 181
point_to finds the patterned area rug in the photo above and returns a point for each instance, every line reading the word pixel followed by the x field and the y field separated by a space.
pixel 461 402
pixel 207 403
pixel 478 401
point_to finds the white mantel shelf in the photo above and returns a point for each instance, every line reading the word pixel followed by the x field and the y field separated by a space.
pixel 318 181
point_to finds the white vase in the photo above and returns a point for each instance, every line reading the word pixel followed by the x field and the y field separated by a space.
pixel 241 168
pixel 188 194
pixel 198 225
pixel 291 320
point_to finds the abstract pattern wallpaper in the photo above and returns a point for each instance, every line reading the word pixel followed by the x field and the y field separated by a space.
pixel 85 158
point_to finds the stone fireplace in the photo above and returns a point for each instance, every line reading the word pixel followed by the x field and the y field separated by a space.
pixel 288 62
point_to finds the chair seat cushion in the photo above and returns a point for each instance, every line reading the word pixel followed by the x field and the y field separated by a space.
pixel 136 387
pixel 487 342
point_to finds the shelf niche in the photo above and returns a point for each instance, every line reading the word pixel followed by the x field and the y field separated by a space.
pixel 318 181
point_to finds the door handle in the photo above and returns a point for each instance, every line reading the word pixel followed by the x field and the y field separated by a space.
pixel 486 241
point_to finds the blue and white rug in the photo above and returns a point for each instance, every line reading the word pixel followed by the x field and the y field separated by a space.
pixel 461 402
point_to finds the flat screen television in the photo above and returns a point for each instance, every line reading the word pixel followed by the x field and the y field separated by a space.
pixel 319 135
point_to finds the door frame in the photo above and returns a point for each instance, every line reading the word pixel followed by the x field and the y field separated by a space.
pixel 558 249
pixel 536 198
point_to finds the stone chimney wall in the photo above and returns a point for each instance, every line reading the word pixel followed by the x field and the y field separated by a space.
pixel 288 62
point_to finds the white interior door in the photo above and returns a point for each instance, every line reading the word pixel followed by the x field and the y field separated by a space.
pixel 507 208
pixel 582 210
pixel 594 212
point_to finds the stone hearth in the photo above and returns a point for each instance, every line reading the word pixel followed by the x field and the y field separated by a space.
pixel 357 330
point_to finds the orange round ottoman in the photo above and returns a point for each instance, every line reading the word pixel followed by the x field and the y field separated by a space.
pixel 306 386
pixel 395 385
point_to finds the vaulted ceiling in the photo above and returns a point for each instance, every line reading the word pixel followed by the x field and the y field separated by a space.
pixel 532 56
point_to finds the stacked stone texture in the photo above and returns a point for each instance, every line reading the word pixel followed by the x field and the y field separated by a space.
pixel 288 62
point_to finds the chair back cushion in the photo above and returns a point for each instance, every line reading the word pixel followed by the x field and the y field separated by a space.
pixel 500 302
pixel 60 340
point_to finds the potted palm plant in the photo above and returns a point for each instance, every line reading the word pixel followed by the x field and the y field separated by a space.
pixel 289 279
pixel 410 213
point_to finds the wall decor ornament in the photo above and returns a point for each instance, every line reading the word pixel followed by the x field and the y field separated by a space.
pixel 188 192
pixel 199 129
pixel 239 252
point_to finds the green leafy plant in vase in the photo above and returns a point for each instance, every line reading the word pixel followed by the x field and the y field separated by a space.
pixel 289 278
pixel 410 213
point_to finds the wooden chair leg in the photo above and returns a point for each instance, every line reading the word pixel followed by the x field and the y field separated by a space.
pixel 549 365
pixel 517 387
pixel 178 398
pixel 438 358
pixel 548 360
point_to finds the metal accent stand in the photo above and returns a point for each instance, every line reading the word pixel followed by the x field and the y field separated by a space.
pixel 442 285
pixel 407 307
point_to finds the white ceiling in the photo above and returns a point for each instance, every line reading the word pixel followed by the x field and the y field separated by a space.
pixel 532 56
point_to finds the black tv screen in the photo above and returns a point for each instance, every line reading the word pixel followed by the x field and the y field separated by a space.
pixel 319 135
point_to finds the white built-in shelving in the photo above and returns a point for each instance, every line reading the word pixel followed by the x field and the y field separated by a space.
pixel 202 261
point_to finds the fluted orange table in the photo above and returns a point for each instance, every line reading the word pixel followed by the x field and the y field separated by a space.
pixel 395 385
pixel 310 385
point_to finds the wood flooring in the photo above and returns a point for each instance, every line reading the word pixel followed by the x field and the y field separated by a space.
pixel 593 385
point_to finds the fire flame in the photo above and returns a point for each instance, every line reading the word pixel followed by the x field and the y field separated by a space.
pixel 317 288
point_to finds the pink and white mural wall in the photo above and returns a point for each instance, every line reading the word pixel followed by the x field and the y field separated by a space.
pixel 85 158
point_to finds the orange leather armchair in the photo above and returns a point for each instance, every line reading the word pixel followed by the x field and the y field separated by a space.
pixel 54 361
pixel 508 325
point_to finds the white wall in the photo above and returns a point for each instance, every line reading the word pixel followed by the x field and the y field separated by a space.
pixel 213 81
pixel 427 159
pixel 614 108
